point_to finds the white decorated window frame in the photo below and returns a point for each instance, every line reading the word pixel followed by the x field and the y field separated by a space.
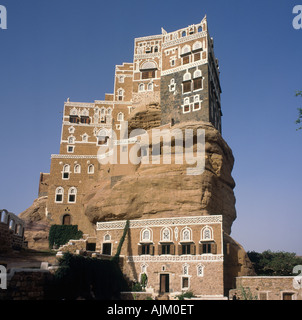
pixel 207 234
pixel 70 149
pixel 66 172
pixel 200 270
pixel 77 168
pixel 71 140
pixel 172 85
pixel 90 169
pixel 146 235
pixel 107 237
pixel 72 195
pixel 186 235
pixel 59 192
pixel 185 269
pixel 71 129
pixel 166 235
pixel 186 105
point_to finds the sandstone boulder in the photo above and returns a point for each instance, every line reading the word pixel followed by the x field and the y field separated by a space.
pixel 166 190
pixel 36 224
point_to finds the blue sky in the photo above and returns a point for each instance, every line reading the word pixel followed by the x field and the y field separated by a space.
pixel 54 49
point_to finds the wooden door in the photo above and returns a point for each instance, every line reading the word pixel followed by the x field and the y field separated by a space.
pixel 164 283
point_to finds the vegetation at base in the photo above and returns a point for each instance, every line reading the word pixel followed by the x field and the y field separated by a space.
pixel 270 263
pixel 144 280
pixel 136 287
pixel 119 248
pixel 246 294
pixel 61 234
pixel 184 295
pixel 86 278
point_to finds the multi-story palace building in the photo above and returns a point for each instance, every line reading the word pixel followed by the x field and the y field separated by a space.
pixel 179 72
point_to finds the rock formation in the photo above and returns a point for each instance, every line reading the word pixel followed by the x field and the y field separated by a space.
pixel 166 190
pixel 37 225
pixel 162 190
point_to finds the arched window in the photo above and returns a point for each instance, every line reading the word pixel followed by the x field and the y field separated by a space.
pixel 91 169
pixel 72 193
pixel 184 33
pixel 71 140
pixel 200 268
pixel 187 76
pixel 207 234
pixel 197 103
pixel 172 85
pixel 102 137
pixel 141 87
pixel 84 137
pixel 107 237
pixel 186 49
pixel 150 86
pixel 197 73
pixel 185 269
pixel 66 171
pixel 148 69
pixel 77 168
pixel 11 224
pixel 197 81
pixel 59 194
pixel 120 94
pixel 66 220
pixel 186 235
pixel 120 116
pixel 166 235
pixel 197 46
pixel 146 235
pixel 186 85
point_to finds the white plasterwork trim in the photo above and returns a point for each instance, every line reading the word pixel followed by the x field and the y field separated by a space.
pixel 174 42
pixel 160 222
pixel 184 67
pixel 175 258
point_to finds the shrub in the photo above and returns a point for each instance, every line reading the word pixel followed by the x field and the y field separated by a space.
pixel 86 278
pixel 184 295
pixel 61 234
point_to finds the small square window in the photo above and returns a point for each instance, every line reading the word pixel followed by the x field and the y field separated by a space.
pixel 186 60
pixel 70 149
pixel 59 198
pixel 187 86
pixel 186 108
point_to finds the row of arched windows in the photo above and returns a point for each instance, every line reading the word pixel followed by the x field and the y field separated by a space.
pixel 72 194
pixel 13 223
pixel 77 169
pixel 142 87
pixel 185 235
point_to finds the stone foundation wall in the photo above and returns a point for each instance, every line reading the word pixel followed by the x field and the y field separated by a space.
pixel 266 288
pixel 26 284
pixel 5 237
pixel 8 239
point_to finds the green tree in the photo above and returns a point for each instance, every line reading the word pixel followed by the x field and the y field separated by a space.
pixel 270 263
pixel 299 120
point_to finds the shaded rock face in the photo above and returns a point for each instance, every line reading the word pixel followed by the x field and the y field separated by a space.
pixel 37 226
pixel 145 117
pixel 236 262
pixel 166 190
